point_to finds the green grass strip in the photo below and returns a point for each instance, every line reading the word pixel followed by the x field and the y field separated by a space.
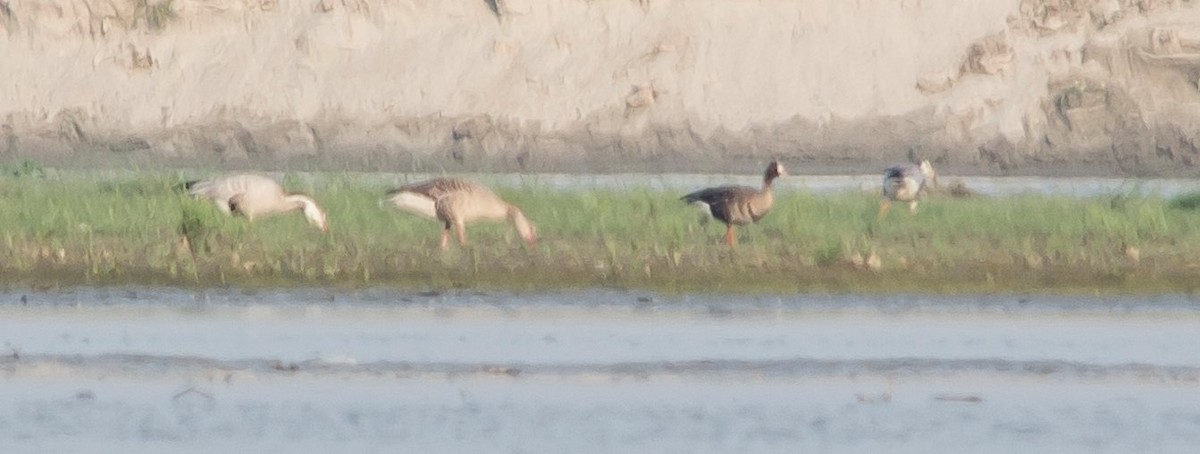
pixel 71 230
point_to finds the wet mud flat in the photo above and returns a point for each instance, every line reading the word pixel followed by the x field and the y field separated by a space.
pixel 455 274
pixel 144 369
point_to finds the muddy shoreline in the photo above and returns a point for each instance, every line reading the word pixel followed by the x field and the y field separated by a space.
pixel 483 144
pixel 357 160
pixel 548 277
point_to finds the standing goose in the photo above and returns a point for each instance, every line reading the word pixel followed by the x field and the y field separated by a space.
pixel 906 183
pixel 255 196
pixel 456 202
pixel 739 205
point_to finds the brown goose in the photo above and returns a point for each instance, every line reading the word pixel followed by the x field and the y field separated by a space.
pixel 739 205
pixel 456 202
pixel 255 196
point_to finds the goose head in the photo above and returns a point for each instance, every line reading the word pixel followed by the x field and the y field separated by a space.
pixel 928 172
pixel 316 217
pixel 526 229
pixel 774 170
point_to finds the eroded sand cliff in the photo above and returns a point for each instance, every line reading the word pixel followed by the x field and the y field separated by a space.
pixel 1017 86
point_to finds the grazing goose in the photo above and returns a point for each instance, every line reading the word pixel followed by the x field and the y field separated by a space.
pixel 255 196
pixel 906 183
pixel 739 205
pixel 456 202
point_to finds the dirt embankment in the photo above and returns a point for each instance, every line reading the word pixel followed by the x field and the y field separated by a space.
pixel 1006 86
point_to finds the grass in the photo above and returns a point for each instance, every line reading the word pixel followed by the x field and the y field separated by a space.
pixel 154 15
pixel 77 230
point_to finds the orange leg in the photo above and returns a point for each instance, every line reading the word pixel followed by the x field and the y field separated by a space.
pixel 462 233
pixel 884 207
pixel 730 238
pixel 445 244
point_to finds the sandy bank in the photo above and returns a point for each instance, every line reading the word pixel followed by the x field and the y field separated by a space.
pixel 1017 87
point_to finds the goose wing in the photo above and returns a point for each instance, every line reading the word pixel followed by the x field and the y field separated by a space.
pixel 250 193
pixel 221 187
pixel 421 198
pixel 897 176
pixel 437 187
pixel 901 172
pixel 719 194
pixel 722 201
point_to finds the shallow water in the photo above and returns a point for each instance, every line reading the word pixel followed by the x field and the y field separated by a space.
pixel 818 184
pixel 310 370
pixel 821 184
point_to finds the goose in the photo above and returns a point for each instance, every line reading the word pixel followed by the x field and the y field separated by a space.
pixel 255 196
pixel 738 205
pixel 906 183
pixel 456 202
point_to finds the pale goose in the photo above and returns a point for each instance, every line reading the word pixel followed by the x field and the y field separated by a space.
pixel 456 202
pixel 739 205
pixel 256 196
pixel 906 183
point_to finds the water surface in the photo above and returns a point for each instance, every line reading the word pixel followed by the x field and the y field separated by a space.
pixel 677 182
pixel 310 370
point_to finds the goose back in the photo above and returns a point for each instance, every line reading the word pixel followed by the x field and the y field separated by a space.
pixel 449 199
pixel 249 195
pixel 438 187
